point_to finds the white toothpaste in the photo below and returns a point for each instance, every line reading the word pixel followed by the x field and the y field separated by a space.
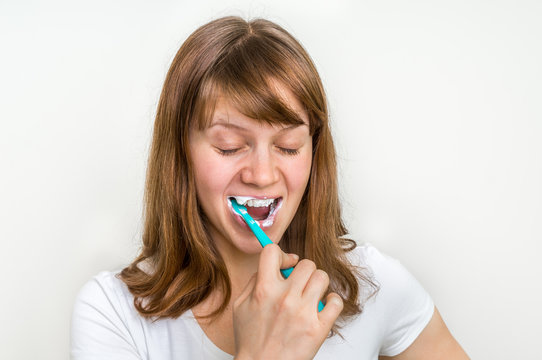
pixel 252 202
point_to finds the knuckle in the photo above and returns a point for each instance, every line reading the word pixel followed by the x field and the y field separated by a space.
pixel 271 248
pixel 288 304
pixel 312 330
pixel 322 276
pixel 261 292
pixel 307 264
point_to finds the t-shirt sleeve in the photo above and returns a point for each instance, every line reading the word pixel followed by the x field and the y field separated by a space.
pixel 99 329
pixel 404 304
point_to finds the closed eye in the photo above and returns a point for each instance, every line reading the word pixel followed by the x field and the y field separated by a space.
pixel 286 151
pixel 289 151
pixel 227 152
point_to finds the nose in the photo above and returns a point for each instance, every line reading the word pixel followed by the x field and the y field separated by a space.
pixel 260 169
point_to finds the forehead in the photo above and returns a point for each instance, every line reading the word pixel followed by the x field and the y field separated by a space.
pixel 274 104
pixel 227 115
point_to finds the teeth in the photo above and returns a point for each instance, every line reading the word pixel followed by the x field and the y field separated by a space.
pixel 248 201
pixel 241 200
pixel 260 202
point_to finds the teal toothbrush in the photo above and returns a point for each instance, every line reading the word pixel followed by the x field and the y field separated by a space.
pixel 261 236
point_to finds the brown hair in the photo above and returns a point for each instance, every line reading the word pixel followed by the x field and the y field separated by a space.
pixel 241 60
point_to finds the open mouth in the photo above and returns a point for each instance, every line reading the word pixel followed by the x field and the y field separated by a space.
pixel 261 210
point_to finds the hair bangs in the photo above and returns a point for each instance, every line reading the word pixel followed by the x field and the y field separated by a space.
pixel 250 77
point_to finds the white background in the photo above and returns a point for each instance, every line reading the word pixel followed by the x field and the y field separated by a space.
pixel 435 109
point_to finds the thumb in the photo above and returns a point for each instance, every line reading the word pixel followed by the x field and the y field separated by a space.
pixel 289 260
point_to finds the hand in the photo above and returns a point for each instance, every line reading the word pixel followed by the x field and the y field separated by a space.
pixel 277 318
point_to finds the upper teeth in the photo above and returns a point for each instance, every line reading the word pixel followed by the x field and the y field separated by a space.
pixel 248 201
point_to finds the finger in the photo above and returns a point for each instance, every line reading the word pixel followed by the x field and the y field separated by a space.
pixel 289 260
pixel 246 291
pixel 332 310
pixel 270 264
pixel 301 275
pixel 316 287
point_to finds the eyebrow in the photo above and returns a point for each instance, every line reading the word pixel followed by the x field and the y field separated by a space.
pixel 229 125
pixel 226 124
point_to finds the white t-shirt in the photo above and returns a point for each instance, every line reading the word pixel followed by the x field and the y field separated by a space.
pixel 105 324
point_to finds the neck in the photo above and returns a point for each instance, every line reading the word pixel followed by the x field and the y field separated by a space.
pixel 241 265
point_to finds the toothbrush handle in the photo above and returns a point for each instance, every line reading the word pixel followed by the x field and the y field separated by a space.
pixel 287 272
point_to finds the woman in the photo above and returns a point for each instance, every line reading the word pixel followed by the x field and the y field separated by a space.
pixel 243 116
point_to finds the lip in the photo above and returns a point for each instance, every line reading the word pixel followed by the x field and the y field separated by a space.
pixel 259 197
pixel 264 224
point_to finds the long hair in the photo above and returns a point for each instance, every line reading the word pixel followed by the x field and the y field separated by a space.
pixel 179 265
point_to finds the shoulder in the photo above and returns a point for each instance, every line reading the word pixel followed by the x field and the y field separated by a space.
pixel 387 271
pixel 103 318
pixel 367 254
pixel 105 291
pixel 105 281
pixel 401 307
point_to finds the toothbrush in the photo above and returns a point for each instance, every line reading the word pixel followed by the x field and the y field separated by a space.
pixel 262 237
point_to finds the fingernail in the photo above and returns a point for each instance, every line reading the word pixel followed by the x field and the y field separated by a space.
pixel 295 256
pixel 335 300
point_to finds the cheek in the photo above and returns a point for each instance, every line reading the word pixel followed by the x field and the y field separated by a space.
pixel 298 173
pixel 211 174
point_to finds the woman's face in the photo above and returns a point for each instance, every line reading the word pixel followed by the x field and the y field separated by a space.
pixel 237 156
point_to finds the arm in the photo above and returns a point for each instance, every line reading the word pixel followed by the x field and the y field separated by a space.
pixel 435 343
